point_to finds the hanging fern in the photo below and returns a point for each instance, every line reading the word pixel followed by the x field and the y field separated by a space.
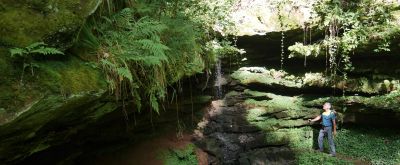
pixel 146 47
pixel 125 73
pixel 136 56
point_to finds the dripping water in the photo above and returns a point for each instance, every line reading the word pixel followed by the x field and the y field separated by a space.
pixel 218 79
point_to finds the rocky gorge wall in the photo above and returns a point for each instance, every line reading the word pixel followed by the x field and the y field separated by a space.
pixel 267 123
pixel 262 118
pixel 58 97
pixel 263 113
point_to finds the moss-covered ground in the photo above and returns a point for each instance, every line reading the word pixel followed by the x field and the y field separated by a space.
pixel 374 145
pixel 358 145
pixel 283 118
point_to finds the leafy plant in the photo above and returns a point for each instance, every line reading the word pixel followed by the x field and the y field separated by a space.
pixel 26 55
pixel 299 49
pixel 309 157
pixel 379 146
pixel 185 156
pixel 349 26
pixel 143 46
pixel 134 56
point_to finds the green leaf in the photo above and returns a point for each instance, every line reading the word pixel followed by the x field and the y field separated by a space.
pixel 47 51
pixel 125 73
pixel 154 103
pixel 35 45
pixel 17 52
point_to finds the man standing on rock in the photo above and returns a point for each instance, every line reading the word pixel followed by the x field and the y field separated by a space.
pixel 328 120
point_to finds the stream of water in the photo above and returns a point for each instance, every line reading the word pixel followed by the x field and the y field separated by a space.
pixel 218 79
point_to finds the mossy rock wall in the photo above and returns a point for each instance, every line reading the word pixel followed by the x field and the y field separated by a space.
pixel 51 121
pixel 260 77
pixel 63 77
pixel 63 96
pixel 57 22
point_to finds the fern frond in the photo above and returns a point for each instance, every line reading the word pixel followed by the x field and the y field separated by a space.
pixel 35 45
pixel 17 52
pixel 124 18
pixel 154 103
pixel 137 99
pixel 154 48
pixel 105 62
pixel 146 27
pixel 47 51
pixel 35 48
pixel 125 73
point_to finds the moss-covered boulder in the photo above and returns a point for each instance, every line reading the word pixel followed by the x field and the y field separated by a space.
pixel 57 22
pixel 294 137
pixel 263 79
pixel 62 77
pixel 261 75
pixel 50 121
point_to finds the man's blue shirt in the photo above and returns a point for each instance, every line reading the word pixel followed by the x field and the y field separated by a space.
pixel 327 119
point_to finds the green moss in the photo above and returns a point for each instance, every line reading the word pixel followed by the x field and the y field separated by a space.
pixel 70 77
pixel 269 124
pixel 80 79
pixel 256 114
pixel 255 93
pixel 252 102
pixel 232 94
pixel 389 101
pixel 279 112
pixel 185 156
pixel 27 22
pixel 309 157
pixel 279 79
pixel 248 75
pixel 67 77
pixel 293 137
pixel 276 103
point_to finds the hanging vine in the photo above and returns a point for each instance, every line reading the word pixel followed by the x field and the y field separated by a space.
pixel 282 25
pixel 348 26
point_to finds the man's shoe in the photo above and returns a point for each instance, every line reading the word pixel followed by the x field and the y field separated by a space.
pixel 332 155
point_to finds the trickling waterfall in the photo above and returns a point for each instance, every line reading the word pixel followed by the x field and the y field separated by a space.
pixel 218 79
